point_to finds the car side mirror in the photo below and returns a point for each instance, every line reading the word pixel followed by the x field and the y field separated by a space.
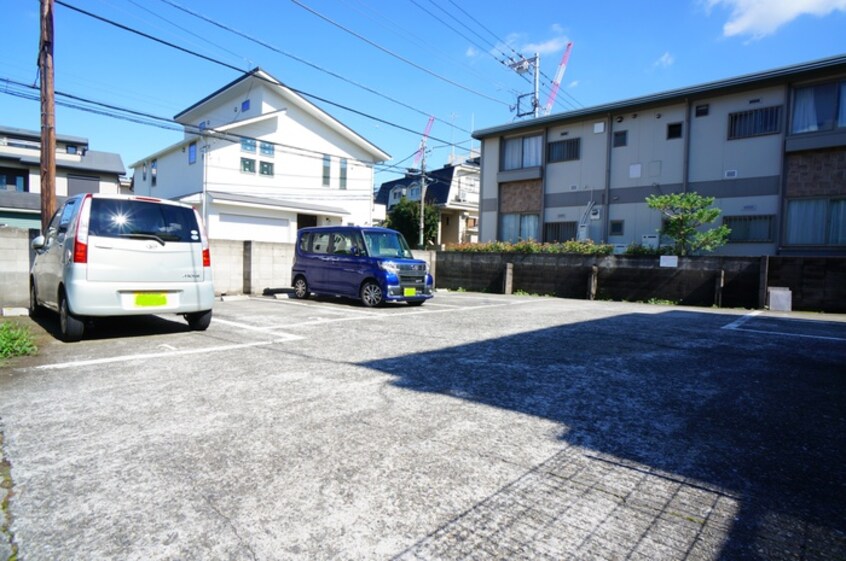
pixel 37 242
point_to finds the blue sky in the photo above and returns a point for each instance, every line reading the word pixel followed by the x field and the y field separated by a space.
pixel 451 51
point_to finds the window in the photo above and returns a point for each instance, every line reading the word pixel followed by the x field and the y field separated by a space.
pixel 755 122
pixel 514 227
pixel 621 138
pixel 564 150
pixel 615 228
pixel 71 149
pixel 320 242
pixel 343 173
pixel 245 105
pixel 266 168
pixel 267 149
pixel 13 180
pixel 674 130
pixel 818 108
pixel 327 167
pixel 522 152
pixel 816 222
pixel 702 110
pixel 192 153
pixel 746 229
pixel 248 145
pixel 560 231
pixel 154 172
pixel 248 165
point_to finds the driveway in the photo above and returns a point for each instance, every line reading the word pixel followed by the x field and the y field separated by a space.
pixel 476 427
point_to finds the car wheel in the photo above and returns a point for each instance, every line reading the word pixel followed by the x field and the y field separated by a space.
pixel 371 294
pixel 35 309
pixel 199 321
pixel 416 303
pixel 70 326
pixel 301 288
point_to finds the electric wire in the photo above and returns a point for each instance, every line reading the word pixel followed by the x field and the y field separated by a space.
pixel 395 55
pixel 232 67
pixel 304 61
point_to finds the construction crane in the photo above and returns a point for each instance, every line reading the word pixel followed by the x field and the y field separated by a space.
pixel 557 82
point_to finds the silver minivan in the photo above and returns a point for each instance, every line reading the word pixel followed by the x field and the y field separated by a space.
pixel 118 255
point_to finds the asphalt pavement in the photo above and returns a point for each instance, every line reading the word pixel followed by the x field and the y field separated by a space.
pixel 475 427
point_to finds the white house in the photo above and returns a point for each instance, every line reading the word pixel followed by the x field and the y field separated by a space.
pixel 260 161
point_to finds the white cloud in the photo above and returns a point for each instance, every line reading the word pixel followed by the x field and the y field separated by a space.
pixel 573 84
pixel 664 61
pixel 759 18
pixel 552 46
pixel 557 29
pixel 471 52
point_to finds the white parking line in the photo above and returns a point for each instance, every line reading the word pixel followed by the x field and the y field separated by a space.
pixel 737 326
pixel 125 358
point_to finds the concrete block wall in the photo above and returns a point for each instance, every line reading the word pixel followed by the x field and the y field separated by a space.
pixel 269 265
pixel 14 267
pixel 227 259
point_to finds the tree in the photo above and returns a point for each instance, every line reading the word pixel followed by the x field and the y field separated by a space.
pixel 405 218
pixel 684 216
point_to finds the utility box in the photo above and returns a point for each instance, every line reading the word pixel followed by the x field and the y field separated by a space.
pixel 779 299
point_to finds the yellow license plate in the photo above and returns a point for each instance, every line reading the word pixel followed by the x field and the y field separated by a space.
pixel 150 299
pixel 409 292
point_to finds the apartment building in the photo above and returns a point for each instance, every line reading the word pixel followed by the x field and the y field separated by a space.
pixel 770 147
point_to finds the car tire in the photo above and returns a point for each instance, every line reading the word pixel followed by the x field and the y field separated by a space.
pixel 301 290
pixel 70 326
pixel 371 294
pixel 199 321
pixel 35 309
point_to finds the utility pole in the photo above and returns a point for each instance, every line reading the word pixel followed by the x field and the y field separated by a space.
pixel 48 116
pixel 521 67
pixel 421 240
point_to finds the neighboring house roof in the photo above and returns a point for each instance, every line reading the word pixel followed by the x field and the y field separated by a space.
pixel 296 98
pixel 280 204
pixel 92 161
pixel 777 76
pixel 437 187
pixel 36 135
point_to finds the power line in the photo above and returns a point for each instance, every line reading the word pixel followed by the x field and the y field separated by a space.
pixel 395 55
pixel 232 67
pixel 122 113
pixel 303 61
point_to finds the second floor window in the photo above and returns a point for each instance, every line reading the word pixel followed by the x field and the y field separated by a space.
pixel 818 108
pixel 522 152
pixel 248 145
pixel 248 165
pixel 192 153
pixel 755 122
pixel 267 149
pixel 564 150
pixel 343 173
pixel 327 169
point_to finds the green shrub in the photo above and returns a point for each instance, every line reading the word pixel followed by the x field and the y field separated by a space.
pixel 15 340
pixel 530 246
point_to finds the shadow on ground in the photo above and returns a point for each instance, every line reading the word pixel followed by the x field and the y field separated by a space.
pixel 758 417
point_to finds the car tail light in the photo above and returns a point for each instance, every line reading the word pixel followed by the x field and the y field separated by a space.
pixel 80 240
pixel 204 239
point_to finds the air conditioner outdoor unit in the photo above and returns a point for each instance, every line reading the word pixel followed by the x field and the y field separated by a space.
pixel 595 213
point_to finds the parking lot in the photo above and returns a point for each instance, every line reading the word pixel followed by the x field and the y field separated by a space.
pixel 474 427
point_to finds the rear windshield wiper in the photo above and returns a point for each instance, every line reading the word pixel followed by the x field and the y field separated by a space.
pixel 140 236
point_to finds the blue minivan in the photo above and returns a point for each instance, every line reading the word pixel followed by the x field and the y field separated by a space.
pixel 374 265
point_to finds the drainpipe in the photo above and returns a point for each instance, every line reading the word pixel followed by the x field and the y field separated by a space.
pixel 606 221
pixel 686 157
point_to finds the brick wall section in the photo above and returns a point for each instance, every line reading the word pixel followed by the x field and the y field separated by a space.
pixel 521 196
pixel 819 173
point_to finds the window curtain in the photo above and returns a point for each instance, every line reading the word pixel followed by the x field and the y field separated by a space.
pixel 804 111
pixel 806 221
pixel 512 154
pixel 837 227
pixel 509 227
pixel 529 227
pixel 532 146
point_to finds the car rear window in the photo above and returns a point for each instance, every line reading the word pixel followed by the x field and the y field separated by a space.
pixel 118 218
